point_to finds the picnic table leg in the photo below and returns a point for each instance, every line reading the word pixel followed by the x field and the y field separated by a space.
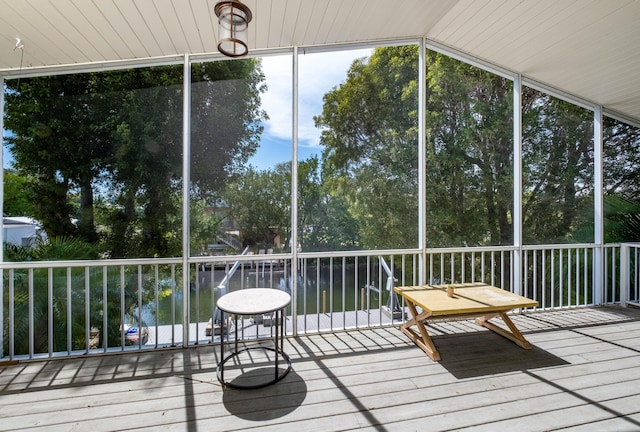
pixel 513 335
pixel 423 340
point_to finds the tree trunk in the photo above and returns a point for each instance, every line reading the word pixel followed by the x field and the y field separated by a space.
pixel 86 225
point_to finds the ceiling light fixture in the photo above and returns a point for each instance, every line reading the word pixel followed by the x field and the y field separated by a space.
pixel 233 22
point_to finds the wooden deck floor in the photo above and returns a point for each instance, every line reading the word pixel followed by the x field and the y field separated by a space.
pixel 583 374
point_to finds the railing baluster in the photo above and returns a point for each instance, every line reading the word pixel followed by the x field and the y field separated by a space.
pixel 31 324
pixel 87 309
pixel 636 273
pixel 563 272
pixel 140 306
pixel 614 283
pixel 69 318
pixel 104 334
pixel 318 293
pixel 501 269
pixel 356 278
pixel 579 282
pixel 50 322
pixel 344 293
pixel 535 289
pixel 552 254
pixel 173 305
pixel 568 273
pixel 122 309
pixel 12 315
pixel 452 270
pixel 525 266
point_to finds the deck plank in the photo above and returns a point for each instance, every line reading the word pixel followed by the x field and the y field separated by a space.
pixel 581 372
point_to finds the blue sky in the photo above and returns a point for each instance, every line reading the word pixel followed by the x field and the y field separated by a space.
pixel 6 156
pixel 318 73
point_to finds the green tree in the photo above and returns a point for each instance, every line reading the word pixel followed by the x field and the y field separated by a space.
pixel 323 217
pixel 118 135
pixel 469 155
pixel 58 139
pixel 371 150
pixel 621 159
pixel 260 203
pixel 621 174
pixel 145 174
pixel 557 169
pixel 206 226
pixel 17 199
pixel 622 219
pixel 370 144
pixel 226 123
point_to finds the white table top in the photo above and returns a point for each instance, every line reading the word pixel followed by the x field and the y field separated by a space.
pixel 253 301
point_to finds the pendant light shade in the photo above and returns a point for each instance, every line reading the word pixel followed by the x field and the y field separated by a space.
pixel 233 23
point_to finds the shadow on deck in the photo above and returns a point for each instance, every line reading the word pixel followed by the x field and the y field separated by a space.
pixel 581 374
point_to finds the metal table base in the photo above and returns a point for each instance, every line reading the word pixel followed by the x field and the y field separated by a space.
pixel 277 349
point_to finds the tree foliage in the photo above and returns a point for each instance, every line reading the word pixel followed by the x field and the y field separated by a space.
pixel 370 155
pixel 469 155
pixel 116 137
pixel 371 150
pixel 261 205
pixel 557 169
pixel 323 216
pixel 622 222
pixel 621 159
pixel 369 161
pixel 18 199
pixel 105 149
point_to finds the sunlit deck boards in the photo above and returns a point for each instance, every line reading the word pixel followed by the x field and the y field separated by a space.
pixel 583 373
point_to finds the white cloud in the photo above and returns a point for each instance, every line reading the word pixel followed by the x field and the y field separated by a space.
pixel 318 73
pixel 276 101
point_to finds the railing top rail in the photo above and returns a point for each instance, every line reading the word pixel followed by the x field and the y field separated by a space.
pixel 360 253
pixel 631 244
pixel 90 263
pixel 466 249
pixel 562 246
pixel 285 256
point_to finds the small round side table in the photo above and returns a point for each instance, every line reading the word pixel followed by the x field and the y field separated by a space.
pixel 254 301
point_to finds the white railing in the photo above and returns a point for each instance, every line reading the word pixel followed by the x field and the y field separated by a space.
pixel 630 274
pixel 72 308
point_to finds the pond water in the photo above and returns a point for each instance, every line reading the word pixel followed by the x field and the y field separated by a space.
pixel 323 291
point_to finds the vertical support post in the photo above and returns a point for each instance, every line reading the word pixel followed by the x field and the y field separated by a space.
pixel 624 274
pixel 598 211
pixel 294 196
pixel 2 212
pixel 186 184
pixel 517 185
pixel 422 151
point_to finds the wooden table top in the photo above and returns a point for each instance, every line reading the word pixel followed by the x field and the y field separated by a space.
pixel 469 298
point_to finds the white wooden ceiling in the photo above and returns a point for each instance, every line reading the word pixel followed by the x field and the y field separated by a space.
pixel 586 48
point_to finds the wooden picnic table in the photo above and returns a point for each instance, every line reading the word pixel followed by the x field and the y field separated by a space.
pixel 469 300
